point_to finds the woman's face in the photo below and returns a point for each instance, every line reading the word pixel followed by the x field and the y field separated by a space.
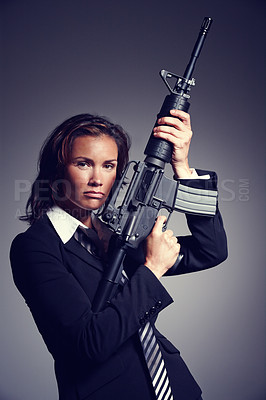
pixel 91 172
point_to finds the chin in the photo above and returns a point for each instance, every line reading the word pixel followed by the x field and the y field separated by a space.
pixel 94 205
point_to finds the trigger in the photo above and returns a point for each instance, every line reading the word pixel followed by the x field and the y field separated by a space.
pixel 166 222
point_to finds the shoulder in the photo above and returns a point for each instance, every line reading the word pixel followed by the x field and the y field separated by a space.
pixel 39 235
pixel 36 256
pixel 35 251
pixel 41 225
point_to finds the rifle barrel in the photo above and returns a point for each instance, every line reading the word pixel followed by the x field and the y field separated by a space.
pixel 205 26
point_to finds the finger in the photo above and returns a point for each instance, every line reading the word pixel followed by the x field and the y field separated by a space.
pixel 173 241
pixel 173 131
pixel 169 233
pixel 178 141
pixel 178 248
pixel 170 121
pixel 176 242
pixel 160 221
pixel 185 117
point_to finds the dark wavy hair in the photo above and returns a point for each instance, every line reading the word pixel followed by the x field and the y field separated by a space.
pixel 55 155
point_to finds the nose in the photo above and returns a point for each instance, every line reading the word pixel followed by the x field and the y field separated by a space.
pixel 95 178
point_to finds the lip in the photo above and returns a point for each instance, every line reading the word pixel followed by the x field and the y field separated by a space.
pixel 94 195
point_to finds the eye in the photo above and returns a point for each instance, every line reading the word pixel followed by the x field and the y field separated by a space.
pixel 109 166
pixel 83 164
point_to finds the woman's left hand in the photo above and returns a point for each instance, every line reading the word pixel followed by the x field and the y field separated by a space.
pixel 177 130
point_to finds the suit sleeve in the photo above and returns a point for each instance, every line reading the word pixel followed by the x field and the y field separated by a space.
pixel 62 309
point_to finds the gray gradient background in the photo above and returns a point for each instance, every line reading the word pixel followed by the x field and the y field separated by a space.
pixel 64 57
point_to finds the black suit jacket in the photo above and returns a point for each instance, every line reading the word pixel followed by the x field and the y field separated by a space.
pixel 99 356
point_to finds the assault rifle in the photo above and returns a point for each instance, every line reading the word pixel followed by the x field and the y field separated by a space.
pixel 149 190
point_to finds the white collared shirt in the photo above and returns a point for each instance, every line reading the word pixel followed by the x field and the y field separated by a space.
pixel 64 224
pixel 194 175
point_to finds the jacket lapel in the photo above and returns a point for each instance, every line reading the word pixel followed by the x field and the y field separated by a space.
pixel 75 248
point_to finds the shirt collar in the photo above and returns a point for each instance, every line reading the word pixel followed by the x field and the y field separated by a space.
pixel 64 224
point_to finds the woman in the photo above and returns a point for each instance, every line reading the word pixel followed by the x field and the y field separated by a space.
pixel 99 356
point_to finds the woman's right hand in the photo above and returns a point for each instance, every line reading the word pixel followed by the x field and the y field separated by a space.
pixel 161 249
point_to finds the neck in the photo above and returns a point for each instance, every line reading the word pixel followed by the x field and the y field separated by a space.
pixel 85 218
pixel 81 214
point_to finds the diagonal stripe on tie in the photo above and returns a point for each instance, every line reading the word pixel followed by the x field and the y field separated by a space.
pixel 155 363
pixel 147 338
pixel 151 347
pixel 85 242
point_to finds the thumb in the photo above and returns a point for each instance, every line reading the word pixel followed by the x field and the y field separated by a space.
pixel 160 221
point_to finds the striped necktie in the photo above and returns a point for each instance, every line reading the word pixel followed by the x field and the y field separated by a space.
pixel 89 240
pixel 154 359
pixel 155 363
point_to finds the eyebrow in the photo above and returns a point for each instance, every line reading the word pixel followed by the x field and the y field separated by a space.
pixel 89 159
